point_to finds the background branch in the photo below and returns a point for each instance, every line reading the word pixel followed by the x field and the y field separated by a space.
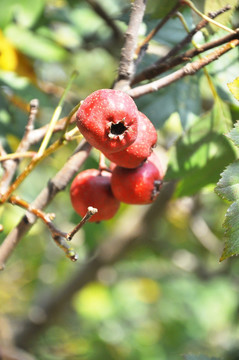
pixel 10 166
pixel 118 35
pixel 152 33
pixel 188 69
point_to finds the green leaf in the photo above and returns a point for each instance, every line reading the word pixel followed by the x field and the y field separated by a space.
pixel 228 186
pixel 234 134
pixel 199 357
pixel 200 155
pixel 35 45
pixel 182 97
pixel 234 88
pixel 231 226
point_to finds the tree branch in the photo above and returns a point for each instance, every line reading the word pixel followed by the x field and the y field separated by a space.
pixel 188 69
pixel 126 66
pixel 169 61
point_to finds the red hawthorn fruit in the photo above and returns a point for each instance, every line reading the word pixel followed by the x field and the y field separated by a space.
pixel 108 119
pixel 140 150
pixel 137 186
pixel 92 188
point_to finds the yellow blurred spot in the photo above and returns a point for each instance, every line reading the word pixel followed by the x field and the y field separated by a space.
pixel 8 54
pixel 178 213
pixel 94 302
pixel 13 141
pixel 148 290
pixel 13 60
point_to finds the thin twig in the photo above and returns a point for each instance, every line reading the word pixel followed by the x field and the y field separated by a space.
pixel 118 35
pixel 205 17
pixel 57 235
pixel 34 106
pixel 126 66
pixel 10 166
pixel 90 212
pixel 38 158
pixel 58 183
pixel 188 69
pixel 14 156
pixel 38 134
pixel 211 85
pixel 191 33
pixel 156 29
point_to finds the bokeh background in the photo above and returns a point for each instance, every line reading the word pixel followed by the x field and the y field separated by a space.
pixel 167 295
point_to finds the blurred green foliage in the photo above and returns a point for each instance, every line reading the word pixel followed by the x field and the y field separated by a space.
pixel 168 296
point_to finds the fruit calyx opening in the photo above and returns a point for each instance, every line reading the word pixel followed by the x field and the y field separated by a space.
pixel 117 130
pixel 156 190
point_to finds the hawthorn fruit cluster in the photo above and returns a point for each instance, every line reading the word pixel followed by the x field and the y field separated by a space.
pixel 111 122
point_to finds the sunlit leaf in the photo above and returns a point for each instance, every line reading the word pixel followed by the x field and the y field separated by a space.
pixel 228 185
pixel 234 88
pixel 22 11
pixel 228 188
pixel 223 71
pixel 214 5
pixel 234 134
pixel 200 155
pixel 231 225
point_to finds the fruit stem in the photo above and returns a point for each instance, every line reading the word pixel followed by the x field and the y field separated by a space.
pixel 90 212
pixel 102 163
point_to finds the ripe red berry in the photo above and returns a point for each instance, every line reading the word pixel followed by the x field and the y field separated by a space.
pixel 108 119
pixel 140 150
pixel 137 186
pixel 92 188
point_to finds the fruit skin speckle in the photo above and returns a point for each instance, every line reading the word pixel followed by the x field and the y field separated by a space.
pixel 138 186
pixel 142 147
pixel 91 187
pixel 108 119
